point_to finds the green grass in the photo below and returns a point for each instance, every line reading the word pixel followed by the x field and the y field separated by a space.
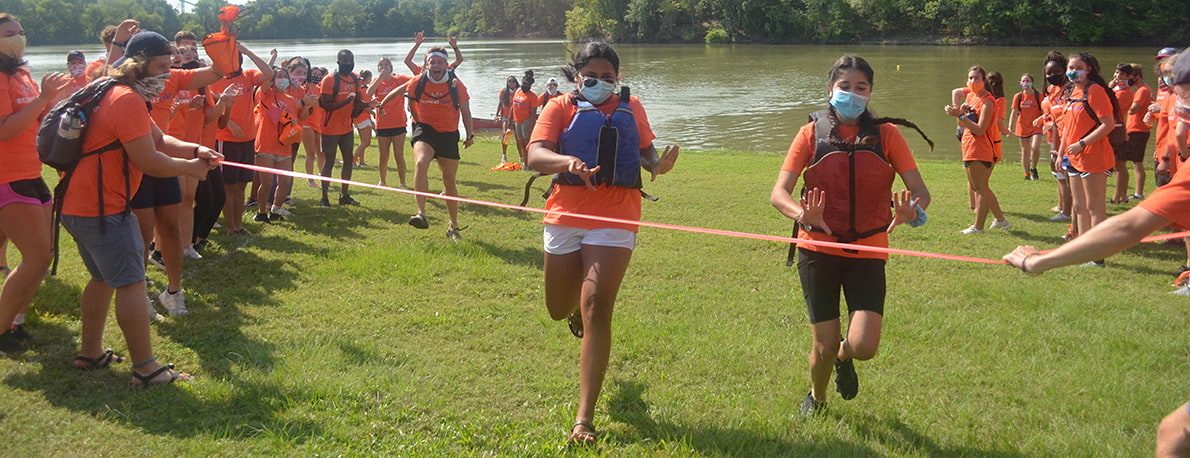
pixel 345 331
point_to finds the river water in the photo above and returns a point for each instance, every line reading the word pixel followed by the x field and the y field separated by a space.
pixel 715 97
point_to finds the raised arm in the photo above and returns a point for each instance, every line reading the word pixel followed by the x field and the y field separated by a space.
pixel 417 39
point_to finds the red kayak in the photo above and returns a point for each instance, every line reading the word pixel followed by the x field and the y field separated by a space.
pixel 485 123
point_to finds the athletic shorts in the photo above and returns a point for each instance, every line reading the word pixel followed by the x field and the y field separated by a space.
pixel 1133 149
pixel 116 254
pixel 988 164
pixel 242 152
pixel 274 157
pixel 524 130
pixel 1073 172
pixel 390 132
pixel 445 144
pixel 823 275
pixel 157 192
pixel 32 192
pixel 561 239
pixel 364 124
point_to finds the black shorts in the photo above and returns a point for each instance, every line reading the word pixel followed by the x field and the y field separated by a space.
pixel 1133 149
pixel 32 191
pixel 242 152
pixel 823 275
pixel 391 132
pixel 988 164
pixel 157 192
pixel 445 144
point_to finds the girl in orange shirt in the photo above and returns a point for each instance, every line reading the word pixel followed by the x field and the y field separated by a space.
pixel 977 117
pixel 1026 108
pixel 390 120
pixel 364 123
pixel 301 74
pixel 585 260
pixel 1055 79
pixel 1088 118
pixel 272 100
pixel 504 112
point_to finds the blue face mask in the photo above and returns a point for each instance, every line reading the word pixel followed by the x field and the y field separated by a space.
pixel 1075 75
pixel 1168 80
pixel 848 105
pixel 282 84
pixel 596 90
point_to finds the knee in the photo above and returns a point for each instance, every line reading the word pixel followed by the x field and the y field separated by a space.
pixel 863 351
pixel 826 350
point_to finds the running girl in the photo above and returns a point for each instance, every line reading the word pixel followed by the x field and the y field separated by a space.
pixel 1026 108
pixel 585 260
pixel 835 211
pixel 390 120
pixel 977 117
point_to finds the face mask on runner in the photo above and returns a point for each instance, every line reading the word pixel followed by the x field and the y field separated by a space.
pixel 345 69
pixel 596 90
pixel 849 105
pixel 13 46
pixel 281 83
pixel 297 80
pixel 76 70
pixel 975 86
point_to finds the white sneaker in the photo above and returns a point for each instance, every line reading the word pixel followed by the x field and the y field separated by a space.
pixel 174 303
pixel 217 226
pixel 190 253
pixel 153 316
pixel 281 211
pixel 1060 217
pixel 1002 224
pixel 1183 291
pixel 971 230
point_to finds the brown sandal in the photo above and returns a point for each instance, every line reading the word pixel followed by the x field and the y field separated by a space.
pixel 582 438
pixel 575 321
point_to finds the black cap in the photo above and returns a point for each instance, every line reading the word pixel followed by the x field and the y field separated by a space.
pixel 1181 70
pixel 76 54
pixel 147 44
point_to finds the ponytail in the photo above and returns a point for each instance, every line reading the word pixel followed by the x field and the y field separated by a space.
pixel 869 119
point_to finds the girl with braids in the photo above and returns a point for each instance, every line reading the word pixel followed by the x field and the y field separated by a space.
pixel 585 260
pixel 1088 118
pixel 977 117
pixel 843 137
pixel 1051 109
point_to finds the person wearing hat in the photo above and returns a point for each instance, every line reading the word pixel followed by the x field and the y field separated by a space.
pixel 96 212
pixel 76 65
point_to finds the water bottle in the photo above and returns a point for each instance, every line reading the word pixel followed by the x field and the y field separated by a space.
pixel 71 124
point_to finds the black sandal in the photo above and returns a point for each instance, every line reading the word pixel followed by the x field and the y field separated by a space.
pixel 102 361
pixel 146 381
pixel 582 438
pixel 575 321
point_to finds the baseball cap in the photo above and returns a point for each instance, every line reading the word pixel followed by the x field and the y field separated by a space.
pixel 148 44
pixel 1165 52
pixel 76 55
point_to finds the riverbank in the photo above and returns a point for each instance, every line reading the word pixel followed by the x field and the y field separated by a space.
pixel 345 331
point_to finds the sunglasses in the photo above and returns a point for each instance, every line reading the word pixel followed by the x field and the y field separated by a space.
pixel 591 82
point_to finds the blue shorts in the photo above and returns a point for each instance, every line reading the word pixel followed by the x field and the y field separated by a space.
pixel 116 254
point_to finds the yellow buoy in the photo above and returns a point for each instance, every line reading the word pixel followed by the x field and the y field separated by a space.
pixel 898 68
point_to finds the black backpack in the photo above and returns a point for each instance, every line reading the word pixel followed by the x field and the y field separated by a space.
pixel 60 145
pixel 451 83
pixel 356 108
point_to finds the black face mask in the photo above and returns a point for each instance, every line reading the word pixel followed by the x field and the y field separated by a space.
pixel 345 69
pixel 1056 79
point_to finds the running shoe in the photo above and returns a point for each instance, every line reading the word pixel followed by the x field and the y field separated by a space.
pixel 153 316
pixel 217 226
pixel 1100 264
pixel 281 211
pixel 250 203
pixel 453 233
pixel 9 344
pixel 1002 224
pixel 324 202
pixel 157 260
pixel 347 200
pixel 1182 291
pixel 22 335
pixel 419 221
pixel 276 217
pixel 1137 197
pixel 174 303
pixel 1028 177
pixel 289 201
pixel 811 408
pixel 1060 217
pixel 971 230
pixel 262 218
pixel 191 253
pixel 846 380
pixel 1033 171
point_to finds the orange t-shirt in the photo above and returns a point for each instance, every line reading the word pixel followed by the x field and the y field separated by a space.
pixel 979 148
pixel 209 130
pixel 187 124
pixel 1029 111
pixel 605 200
pixel 19 153
pixel 394 112
pixel 801 152
pixel 95 69
pixel 367 113
pixel 435 108
pixel 163 104
pixel 121 115
pixel 241 109
pixel 77 83
pixel 1172 200
pixel 1124 99
pixel 523 104
pixel 1166 100
pixel 506 110
pixel 339 121
pixel 266 115
pixel 1143 97
pixel 314 121
pixel 1097 157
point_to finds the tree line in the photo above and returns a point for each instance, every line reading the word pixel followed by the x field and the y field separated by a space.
pixel 1103 22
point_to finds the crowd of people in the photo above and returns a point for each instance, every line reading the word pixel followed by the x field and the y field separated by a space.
pixel 151 188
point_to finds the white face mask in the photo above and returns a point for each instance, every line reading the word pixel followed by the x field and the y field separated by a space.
pixel 76 70
pixel 13 46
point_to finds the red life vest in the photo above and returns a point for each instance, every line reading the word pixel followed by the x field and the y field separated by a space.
pixel 857 179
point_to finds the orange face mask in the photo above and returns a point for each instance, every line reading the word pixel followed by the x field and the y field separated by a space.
pixel 975 86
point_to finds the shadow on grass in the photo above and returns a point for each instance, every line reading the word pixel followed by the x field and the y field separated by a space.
pixel 627 406
pixel 530 256
pixel 897 436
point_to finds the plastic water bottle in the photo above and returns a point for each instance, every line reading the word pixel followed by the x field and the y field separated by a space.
pixel 71 124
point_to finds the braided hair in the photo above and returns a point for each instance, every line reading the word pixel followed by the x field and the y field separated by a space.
pixel 1058 59
pixel 1094 77
pixel 868 120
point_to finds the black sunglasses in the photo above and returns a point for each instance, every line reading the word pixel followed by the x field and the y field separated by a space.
pixel 590 81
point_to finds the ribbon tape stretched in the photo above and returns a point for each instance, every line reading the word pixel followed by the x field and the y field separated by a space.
pixel 746 235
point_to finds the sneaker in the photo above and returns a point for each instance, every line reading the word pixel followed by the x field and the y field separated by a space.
pixel 1069 236
pixel 811 408
pixel 216 226
pixel 203 245
pixel 1028 177
pixel 250 203
pixel 1181 270
pixel 453 233
pixel 419 221
pixel 191 253
pixel 153 316
pixel 311 183
pixel 1100 264
pixel 347 200
pixel 174 303
pixel 1002 224
pixel 261 218
pixel 324 202
pixel 971 230
pixel 289 201
pixel 1183 291
pixel 276 217
pixel 9 344
pixel 157 260
pixel 1137 197
pixel 1060 217
pixel 23 336
pixel 846 381
pixel 1033 171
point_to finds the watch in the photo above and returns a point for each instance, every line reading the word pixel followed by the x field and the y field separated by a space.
pixel 470 136
pixel 1082 143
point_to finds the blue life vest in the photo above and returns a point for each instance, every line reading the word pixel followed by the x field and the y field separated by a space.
pixel 610 142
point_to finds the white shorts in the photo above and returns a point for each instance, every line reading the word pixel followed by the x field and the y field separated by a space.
pixel 561 239
pixel 364 124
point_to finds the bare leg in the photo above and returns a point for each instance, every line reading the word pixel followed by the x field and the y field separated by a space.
pixel 604 269
pixel 822 356
pixel 385 143
pixel 450 168
pixel 169 242
pixel 1121 194
pixel 423 154
pixel 28 227
pixel 1139 168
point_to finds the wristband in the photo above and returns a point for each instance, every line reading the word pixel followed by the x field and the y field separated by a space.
pixel 196 152
pixel 470 136
pixel 1025 261
pixel 921 217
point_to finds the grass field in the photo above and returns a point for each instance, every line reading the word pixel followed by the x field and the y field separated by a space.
pixel 344 331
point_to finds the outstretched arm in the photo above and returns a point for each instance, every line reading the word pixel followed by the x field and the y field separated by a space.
pixel 417 39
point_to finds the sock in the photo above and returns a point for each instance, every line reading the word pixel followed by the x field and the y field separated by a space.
pixel 172 293
pixel 19 320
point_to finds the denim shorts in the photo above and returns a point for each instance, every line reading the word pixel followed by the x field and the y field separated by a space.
pixel 116 254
